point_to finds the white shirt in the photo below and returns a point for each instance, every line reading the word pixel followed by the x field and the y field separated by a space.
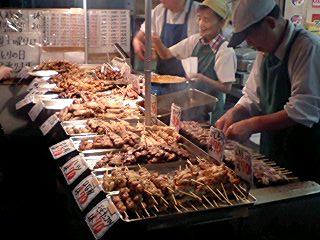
pixel 174 18
pixel 225 62
pixel 304 71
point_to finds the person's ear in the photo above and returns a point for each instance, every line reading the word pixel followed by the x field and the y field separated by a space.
pixel 271 22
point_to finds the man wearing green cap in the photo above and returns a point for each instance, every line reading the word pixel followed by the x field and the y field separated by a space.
pixel 282 95
pixel 216 61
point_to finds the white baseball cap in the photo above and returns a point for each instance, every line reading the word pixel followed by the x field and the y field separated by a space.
pixel 245 15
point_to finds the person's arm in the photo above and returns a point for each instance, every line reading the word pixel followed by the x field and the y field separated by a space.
pixel 242 130
pixel 139 44
pixel 162 51
pixel 215 84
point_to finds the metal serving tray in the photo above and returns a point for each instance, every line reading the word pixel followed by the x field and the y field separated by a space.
pixel 77 139
pixel 194 103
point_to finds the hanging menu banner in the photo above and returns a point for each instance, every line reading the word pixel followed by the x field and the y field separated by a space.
pixel 102 217
pixel 20 37
pixel 107 27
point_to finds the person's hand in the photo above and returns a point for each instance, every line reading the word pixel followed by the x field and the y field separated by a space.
pixel 226 121
pixel 194 77
pixel 156 42
pixel 139 48
pixel 5 72
pixel 239 131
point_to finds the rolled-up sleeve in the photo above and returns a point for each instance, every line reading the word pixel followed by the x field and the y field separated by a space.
pixel 304 67
pixel 250 99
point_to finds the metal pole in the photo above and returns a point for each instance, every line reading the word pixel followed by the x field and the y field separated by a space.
pixel 147 62
pixel 85 32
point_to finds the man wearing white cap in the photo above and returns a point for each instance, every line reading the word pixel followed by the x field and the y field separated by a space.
pixel 282 96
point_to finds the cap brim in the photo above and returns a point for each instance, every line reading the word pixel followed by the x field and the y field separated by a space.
pixel 237 38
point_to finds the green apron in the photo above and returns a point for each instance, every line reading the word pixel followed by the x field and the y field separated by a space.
pixel 296 148
pixel 206 61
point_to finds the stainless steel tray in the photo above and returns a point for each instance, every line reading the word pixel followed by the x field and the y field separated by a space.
pixel 193 102
pixel 77 139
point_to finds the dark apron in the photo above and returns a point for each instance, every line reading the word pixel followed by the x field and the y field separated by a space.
pixel 296 148
pixel 206 62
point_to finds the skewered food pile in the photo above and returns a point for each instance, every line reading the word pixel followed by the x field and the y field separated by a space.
pixel 142 154
pixel 58 65
pixel 142 193
pixel 195 132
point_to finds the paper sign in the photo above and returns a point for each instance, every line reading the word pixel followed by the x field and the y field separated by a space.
pixel 23 102
pixel 102 217
pixel 73 168
pixel 190 65
pixel 62 148
pixel 154 105
pixel 49 124
pixel 86 191
pixel 35 111
pixel 243 164
pixel 316 3
pixel 175 117
pixel 216 144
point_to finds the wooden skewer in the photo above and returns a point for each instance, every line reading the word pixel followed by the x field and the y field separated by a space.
pixel 205 198
pixel 190 195
pixel 196 196
pixel 243 189
pixel 188 161
pixel 137 213
pixel 215 203
pixel 145 210
pixel 184 208
pixel 224 190
pixel 223 197
pixel 293 178
pixel 164 200
pixel 174 199
pixel 175 206
pixel 155 207
pixel 243 195
pixel 200 183
pixel 193 207
pixel 235 195
pixel 216 195
pixel 126 216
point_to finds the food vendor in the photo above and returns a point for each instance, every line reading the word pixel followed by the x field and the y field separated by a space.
pixel 173 21
pixel 216 61
pixel 282 95
pixel 5 72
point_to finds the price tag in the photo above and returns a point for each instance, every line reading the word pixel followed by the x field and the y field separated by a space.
pixel 62 148
pixel 243 164
pixel 175 117
pixel 216 144
pixel 35 111
pixel 23 102
pixel 102 217
pixel 49 124
pixel 73 168
pixel 35 83
pixel 154 105
pixel 86 191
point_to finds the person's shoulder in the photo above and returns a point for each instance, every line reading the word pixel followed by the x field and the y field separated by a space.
pixel 195 4
pixel 194 37
pixel 309 39
pixel 159 9
pixel 225 49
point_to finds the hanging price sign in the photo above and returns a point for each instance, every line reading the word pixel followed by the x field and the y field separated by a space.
pixel 102 217
pixel 86 191
pixel 243 164
pixel 35 111
pixel 73 168
pixel 49 124
pixel 216 144
pixel 175 118
pixel 23 102
pixel 62 148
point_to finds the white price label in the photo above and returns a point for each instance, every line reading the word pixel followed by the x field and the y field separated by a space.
pixel 35 111
pixel 35 83
pixel 175 118
pixel 243 164
pixel 102 217
pixel 86 191
pixel 154 105
pixel 49 124
pixel 62 148
pixel 73 168
pixel 216 144
pixel 23 102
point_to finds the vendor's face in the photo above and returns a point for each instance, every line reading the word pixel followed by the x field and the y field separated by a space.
pixel 209 23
